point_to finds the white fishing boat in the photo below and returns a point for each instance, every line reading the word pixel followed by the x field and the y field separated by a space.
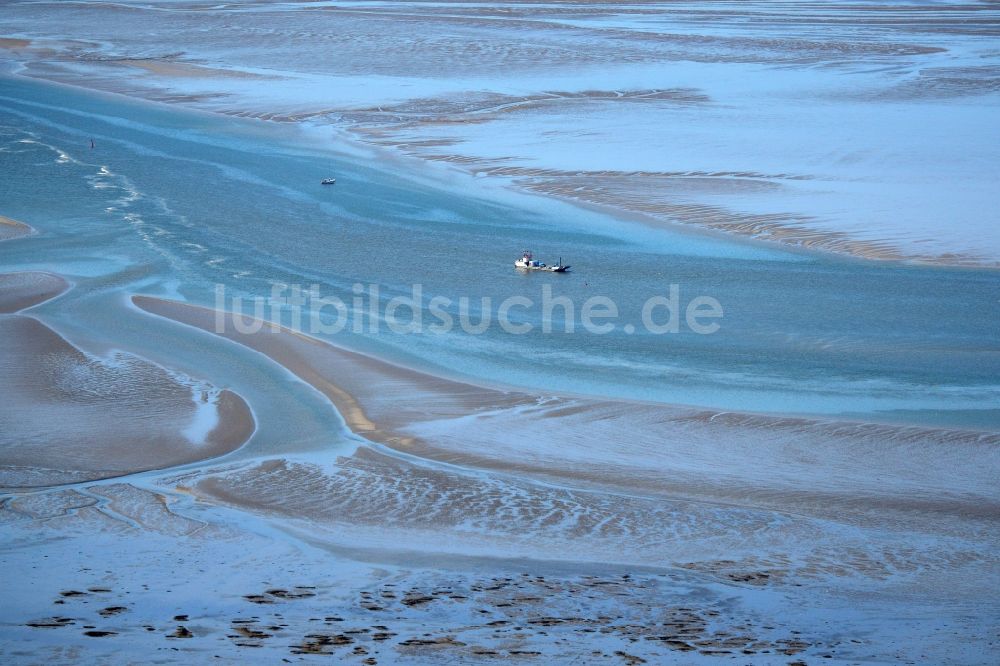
pixel 529 263
pixel 328 181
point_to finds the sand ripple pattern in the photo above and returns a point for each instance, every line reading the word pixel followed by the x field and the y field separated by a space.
pixel 421 77
pixel 433 509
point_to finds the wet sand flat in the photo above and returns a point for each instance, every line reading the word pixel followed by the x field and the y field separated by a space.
pixel 10 229
pixel 452 521
pixel 171 69
pixel 208 584
pixel 11 43
pixel 22 290
pixel 373 396
pixel 830 94
pixel 58 403
pixel 775 505
pixel 909 475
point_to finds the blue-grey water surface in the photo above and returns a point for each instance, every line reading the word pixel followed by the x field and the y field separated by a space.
pixel 173 203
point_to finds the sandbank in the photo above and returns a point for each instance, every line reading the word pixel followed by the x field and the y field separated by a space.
pixel 872 472
pixel 68 417
pixel 10 229
pixel 26 289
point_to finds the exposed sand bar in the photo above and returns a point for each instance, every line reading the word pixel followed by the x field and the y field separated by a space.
pixel 588 102
pixel 823 468
pixel 648 199
pixel 11 43
pixel 23 290
pixel 171 69
pixel 374 397
pixel 10 229
pixel 164 557
pixel 69 417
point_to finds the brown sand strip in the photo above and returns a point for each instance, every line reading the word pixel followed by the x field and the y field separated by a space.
pixel 742 459
pixel 23 290
pixel 67 417
pixel 236 423
pixel 374 397
pixel 10 229
pixel 185 70
pixel 12 43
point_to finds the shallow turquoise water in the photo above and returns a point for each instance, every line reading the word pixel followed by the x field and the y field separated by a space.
pixel 173 203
